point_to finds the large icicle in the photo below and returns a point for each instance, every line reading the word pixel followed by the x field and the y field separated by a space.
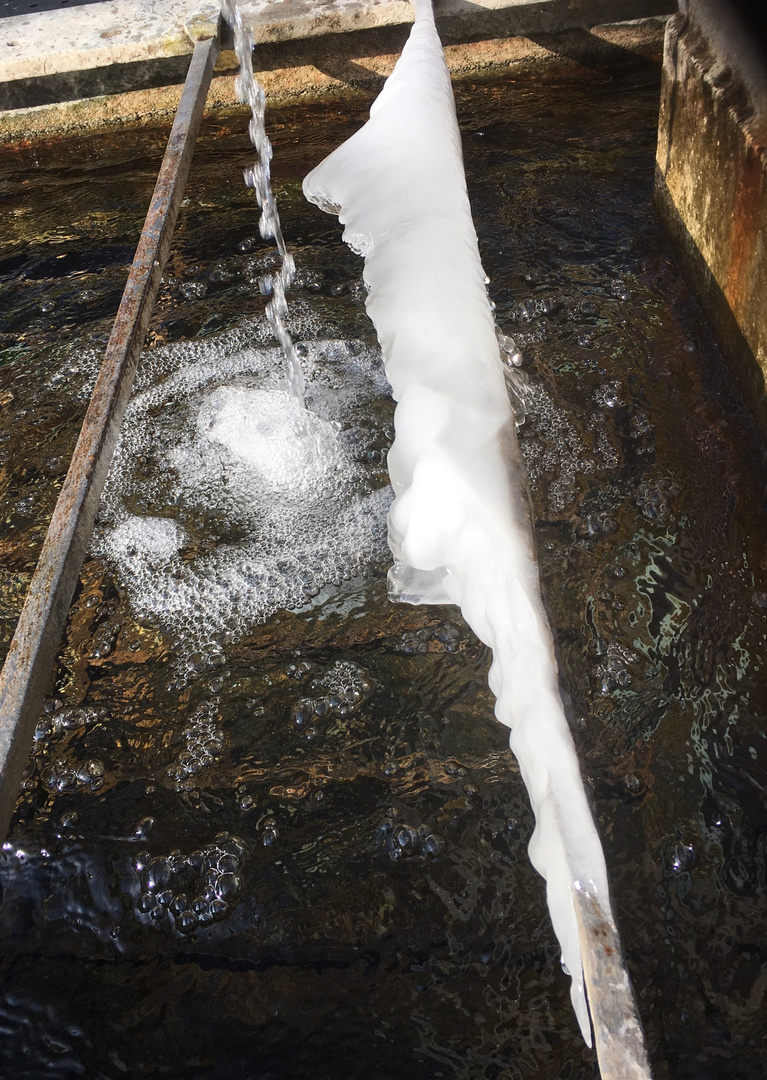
pixel 460 528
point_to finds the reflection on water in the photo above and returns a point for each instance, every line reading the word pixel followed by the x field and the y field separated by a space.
pixel 298 847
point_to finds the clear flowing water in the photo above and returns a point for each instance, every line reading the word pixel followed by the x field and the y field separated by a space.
pixel 272 843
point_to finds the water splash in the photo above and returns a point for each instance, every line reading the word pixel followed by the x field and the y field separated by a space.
pixel 226 504
pixel 258 176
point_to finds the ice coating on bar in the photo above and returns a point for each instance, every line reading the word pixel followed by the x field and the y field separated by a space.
pixel 459 527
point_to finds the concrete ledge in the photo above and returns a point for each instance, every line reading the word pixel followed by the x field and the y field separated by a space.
pixel 711 181
pixel 337 66
pixel 77 51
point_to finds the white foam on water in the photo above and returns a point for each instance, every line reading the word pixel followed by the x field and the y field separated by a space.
pixel 289 449
pixel 459 527
pixel 154 540
pixel 226 502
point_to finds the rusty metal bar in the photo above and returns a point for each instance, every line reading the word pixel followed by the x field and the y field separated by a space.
pixel 618 1031
pixel 28 666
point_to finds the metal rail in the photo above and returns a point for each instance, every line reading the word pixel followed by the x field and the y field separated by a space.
pixel 618 1031
pixel 27 671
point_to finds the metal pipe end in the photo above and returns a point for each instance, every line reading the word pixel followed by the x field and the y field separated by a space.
pixel 204 24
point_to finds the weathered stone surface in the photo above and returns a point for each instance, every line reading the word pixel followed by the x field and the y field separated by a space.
pixel 711 180
pixel 92 37
pixel 335 66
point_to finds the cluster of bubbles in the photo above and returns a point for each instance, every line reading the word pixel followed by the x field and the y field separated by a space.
pixel 611 459
pixel 64 774
pixel 592 525
pixel 104 640
pixel 517 383
pixel 531 316
pixel 610 395
pixel 444 637
pixel 226 504
pixel 553 451
pixel 185 892
pixel 642 430
pixel 401 841
pixel 341 690
pixel 57 719
pixel 202 743
pixel 532 308
pixel 613 667
pixel 654 500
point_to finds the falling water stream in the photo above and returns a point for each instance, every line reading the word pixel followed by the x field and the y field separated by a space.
pixel 319 781
pixel 258 176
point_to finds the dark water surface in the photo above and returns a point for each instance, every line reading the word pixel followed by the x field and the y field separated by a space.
pixel 298 848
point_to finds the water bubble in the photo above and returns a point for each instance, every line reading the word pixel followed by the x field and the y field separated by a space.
pixel 678 856
pixel 204 915
pixel 186 922
pixel 228 886
pixel 219 910
pixel 433 845
pixel 406 837
pixel 233 845
pixel 143 827
pixel 157 874
pixel 179 904
pixel 141 861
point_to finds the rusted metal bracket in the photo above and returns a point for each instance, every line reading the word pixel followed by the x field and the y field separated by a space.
pixel 614 1014
pixel 27 671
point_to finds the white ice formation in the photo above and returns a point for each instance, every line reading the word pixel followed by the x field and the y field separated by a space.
pixel 460 528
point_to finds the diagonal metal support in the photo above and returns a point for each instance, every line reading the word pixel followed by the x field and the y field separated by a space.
pixel 618 1031
pixel 28 666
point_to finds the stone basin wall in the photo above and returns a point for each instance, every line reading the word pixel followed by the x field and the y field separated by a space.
pixel 711 177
